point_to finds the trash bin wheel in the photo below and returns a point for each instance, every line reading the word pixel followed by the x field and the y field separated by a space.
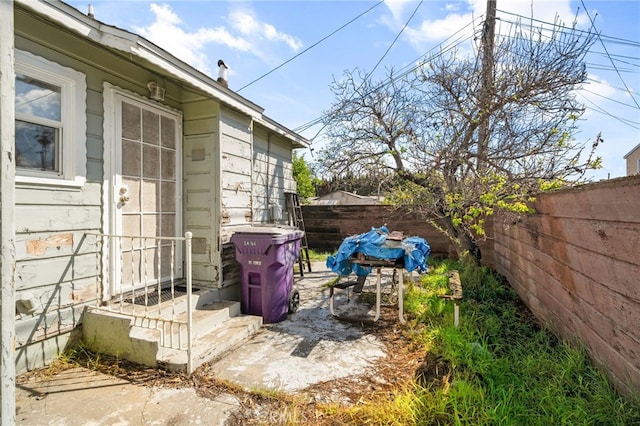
pixel 294 301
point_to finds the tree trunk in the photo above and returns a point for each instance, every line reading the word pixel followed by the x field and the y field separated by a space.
pixel 463 241
pixel 468 244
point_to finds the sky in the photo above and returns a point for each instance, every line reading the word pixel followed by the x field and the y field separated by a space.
pixel 284 55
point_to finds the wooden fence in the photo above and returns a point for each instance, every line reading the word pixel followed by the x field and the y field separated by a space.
pixel 575 263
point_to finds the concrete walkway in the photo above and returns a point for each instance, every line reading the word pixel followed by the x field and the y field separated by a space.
pixel 87 398
pixel 309 347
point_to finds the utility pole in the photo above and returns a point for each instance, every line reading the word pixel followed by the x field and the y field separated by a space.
pixel 7 225
pixel 486 89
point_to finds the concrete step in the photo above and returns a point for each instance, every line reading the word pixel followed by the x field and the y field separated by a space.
pixel 204 319
pixel 217 327
pixel 212 345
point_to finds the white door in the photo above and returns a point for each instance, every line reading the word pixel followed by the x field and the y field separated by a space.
pixel 146 189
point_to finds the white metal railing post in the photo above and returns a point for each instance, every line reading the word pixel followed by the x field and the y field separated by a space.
pixel 99 248
pixel 187 264
pixel 146 318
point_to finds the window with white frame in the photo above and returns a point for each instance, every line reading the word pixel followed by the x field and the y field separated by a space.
pixel 50 126
pixel 638 169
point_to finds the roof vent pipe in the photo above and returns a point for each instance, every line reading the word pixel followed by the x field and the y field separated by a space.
pixel 90 11
pixel 222 73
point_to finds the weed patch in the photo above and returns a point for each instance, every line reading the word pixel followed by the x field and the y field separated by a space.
pixel 499 367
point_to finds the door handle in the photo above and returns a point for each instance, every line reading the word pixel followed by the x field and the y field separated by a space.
pixel 124 195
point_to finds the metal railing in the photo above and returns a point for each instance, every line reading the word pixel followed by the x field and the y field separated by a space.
pixel 146 287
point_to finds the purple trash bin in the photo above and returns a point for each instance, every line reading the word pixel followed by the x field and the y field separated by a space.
pixel 266 256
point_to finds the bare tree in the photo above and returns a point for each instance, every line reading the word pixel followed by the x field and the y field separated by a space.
pixel 425 127
pixel 369 124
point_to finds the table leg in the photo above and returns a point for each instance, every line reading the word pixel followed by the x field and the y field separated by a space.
pixel 401 299
pixel 378 280
pixel 331 291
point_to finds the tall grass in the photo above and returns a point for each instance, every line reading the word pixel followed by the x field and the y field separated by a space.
pixel 319 256
pixel 506 368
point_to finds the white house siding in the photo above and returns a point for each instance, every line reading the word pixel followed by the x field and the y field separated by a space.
pixel 255 189
pixel 201 187
pixel 632 159
pixel 272 176
pixel 56 264
pixel 236 145
pixel 235 163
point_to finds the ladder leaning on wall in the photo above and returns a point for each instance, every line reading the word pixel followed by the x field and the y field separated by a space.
pixel 294 211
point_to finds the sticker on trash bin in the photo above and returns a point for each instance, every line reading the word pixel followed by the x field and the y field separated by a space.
pixel 255 262
pixel 250 243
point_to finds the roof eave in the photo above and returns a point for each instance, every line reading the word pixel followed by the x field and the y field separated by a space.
pixel 297 141
pixel 632 151
pixel 125 41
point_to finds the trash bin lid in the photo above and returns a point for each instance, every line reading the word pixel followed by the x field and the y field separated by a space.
pixel 275 233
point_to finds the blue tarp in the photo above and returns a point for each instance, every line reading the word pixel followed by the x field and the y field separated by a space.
pixel 374 244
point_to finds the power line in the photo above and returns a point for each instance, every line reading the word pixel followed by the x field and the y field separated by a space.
pixel 613 40
pixel 607 52
pixel 608 98
pixel 609 39
pixel 381 58
pixel 620 60
pixel 601 38
pixel 590 65
pixel 313 45
pixel 411 67
pixel 593 80
pixel 395 39
pixel 600 67
pixel 597 108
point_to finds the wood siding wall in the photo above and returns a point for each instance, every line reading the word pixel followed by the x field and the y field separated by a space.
pixel 236 147
pixel 576 264
pixel 272 176
pixel 56 263
pixel 202 188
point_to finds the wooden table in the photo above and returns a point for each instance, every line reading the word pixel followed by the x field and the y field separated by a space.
pixel 379 264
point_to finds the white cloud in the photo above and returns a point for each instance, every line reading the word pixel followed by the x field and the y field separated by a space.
pixel 600 97
pixel 543 10
pixel 599 87
pixel 452 7
pixel 166 32
pixel 248 25
pixel 244 33
pixel 455 16
pixel 433 31
pixel 244 22
pixel 397 7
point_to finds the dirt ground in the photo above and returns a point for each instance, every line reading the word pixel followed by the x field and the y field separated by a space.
pixel 401 365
